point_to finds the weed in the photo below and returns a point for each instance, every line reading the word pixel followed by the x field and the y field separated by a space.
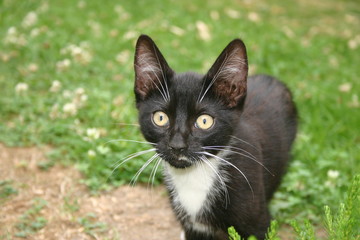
pixel 91 226
pixel 6 190
pixel 31 221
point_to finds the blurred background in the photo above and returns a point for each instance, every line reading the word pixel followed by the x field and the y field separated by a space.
pixel 66 82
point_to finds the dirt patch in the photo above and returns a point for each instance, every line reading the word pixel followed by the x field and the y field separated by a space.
pixel 70 211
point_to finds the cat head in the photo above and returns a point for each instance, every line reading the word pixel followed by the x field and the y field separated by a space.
pixel 185 113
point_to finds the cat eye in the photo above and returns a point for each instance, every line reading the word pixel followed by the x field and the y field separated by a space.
pixel 204 122
pixel 160 118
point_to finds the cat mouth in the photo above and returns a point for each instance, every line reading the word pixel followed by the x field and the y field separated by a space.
pixel 180 162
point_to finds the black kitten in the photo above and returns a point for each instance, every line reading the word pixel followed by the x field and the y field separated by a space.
pixel 224 139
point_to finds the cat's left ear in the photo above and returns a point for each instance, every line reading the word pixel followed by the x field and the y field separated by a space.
pixel 151 69
pixel 227 77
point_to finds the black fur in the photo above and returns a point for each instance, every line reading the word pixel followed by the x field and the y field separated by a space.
pixel 255 114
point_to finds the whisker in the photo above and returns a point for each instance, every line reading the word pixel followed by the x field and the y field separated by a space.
pixel 129 157
pixel 222 182
pixel 128 124
pixel 134 179
pixel 241 140
pixel 252 157
pixel 229 163
pixel 154 170
pixel 128 140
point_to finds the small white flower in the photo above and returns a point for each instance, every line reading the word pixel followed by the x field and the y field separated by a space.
pixel 13 37
pixel 103 150
pixel 83 98
pixel 30 19
pixel 232 13
pixel 67 94
pixel 55 86
pixel 79 91
pixel 254 17
pixel 91 153
pixel 345 87
pixel 123 57
pixel 203 31
pixel 21 88
pixel 93 133
pixel 177 31
pixel 33 67
pixel 63 65
pixel 70 109
pixel 333 174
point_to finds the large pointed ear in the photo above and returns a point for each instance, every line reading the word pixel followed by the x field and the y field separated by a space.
pixel 227 77
pixel 151 69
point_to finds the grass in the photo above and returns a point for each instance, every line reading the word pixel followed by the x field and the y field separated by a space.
pixel 31 221
pixel 66 80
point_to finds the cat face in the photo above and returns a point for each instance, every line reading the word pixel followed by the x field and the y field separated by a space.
pixel 183 113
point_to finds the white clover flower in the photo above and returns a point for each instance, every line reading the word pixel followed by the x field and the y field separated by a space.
pixel 33 67
pixel 93 133
pixel 123 57
pixel 333 174
pixel 30 19
pixel 55 86
pixel 254 17
pixel 63 65
pixel 232 13
pixel 203 31
pixel 80 91
pixel 70 109
pixel 21 88
pixel 103 150
pixel 13 37
pixel 35 32
pixel 91 153
pixel 177 31
pixel 67 94
pixel 83 98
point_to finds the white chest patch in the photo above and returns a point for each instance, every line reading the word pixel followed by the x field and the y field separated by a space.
pixel 193 185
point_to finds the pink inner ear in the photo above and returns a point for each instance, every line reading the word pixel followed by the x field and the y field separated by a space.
pixel 151 69
pixel 230 80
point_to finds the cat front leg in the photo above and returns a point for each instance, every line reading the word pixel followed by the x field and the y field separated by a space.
pixel 195 235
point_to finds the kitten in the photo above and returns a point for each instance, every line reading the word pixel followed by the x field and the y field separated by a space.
pixel 224 139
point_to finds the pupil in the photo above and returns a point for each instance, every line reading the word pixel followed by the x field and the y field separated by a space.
pixel 161 118
pixel 204 121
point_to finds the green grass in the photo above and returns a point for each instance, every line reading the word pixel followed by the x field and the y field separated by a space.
pixel 312 46
pixel 31 221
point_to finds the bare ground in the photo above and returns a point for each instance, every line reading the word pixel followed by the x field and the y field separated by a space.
pixel 129 213
pixel 72 212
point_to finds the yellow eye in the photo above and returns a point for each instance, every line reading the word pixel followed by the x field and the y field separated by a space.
pixel 160 118
pixel 204 121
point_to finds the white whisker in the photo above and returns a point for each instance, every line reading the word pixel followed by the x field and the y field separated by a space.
pixel 129 157
pixel 241 140
pixel 154 170
pixel 222 182
pixel 128 140
pixel 232 165
pixel 134 179
pixel 250 156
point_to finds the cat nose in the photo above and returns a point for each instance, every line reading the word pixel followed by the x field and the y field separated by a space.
pixel 177 143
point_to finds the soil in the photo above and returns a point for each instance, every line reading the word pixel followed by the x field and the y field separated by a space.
pixel 72 212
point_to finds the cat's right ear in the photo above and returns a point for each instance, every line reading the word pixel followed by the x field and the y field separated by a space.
pixel 228 75
pixel 151 70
